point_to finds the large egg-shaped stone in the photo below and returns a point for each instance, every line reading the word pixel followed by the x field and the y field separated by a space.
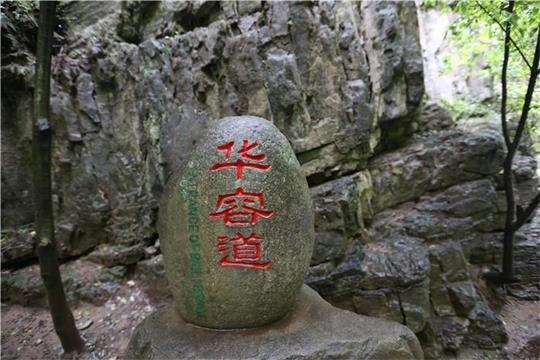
pixel 236 227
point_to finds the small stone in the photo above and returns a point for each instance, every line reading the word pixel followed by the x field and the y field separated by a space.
pixel 434 117
pixel 486 330
pixel 114 273
pixel 75 137
pixel 150 251
pixel 85 325
pixel 152 268
pixel 463 296
pixel 117 255
pixel 39 341
pixel 17 246
pixel 451 331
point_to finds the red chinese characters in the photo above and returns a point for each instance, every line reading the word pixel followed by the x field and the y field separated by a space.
pixel 246 252
pixel 239 164
pixel 241 208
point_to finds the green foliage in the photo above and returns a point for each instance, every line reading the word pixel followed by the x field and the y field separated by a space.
pixel 19 29
pixel 478 41
pixel 461 108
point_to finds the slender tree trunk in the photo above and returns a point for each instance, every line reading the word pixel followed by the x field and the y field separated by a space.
pixel 512 226
pixel 508 239
pixel 64 324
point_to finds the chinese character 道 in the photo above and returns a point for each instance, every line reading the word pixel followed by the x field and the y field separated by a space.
pixel 246 252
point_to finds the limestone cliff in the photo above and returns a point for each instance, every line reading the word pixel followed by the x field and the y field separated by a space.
pixel 405 201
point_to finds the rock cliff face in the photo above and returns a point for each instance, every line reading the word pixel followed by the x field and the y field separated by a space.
pixel 131 97
pixel 407 204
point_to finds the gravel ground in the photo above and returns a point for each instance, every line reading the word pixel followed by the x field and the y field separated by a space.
pixel 27 332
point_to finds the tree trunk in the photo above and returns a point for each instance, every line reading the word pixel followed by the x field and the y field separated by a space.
pixel 64 324
pixel 508 239
pixel 513 222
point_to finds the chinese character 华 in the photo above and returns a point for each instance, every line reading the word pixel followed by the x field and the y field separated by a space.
pixel 246 252
pixel 240 164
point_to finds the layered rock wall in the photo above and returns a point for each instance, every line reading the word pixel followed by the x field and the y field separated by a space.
pixel 132 97
pixel 407 203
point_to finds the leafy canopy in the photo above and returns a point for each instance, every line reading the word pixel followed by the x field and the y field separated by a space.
pixel 477 34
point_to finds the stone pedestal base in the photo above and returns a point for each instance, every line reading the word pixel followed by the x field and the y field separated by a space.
pixel 314 330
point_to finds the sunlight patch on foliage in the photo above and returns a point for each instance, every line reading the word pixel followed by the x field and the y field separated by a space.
pixel 478 42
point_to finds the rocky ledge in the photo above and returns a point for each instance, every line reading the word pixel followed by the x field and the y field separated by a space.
pixel 314 330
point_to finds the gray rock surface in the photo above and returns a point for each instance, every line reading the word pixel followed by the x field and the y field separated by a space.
pixel 17 246
pixel 397 65
pixel 82 280
pixel 114 255
pixel 433 118
pixel 137 84
pixel 341 209
pixel 486 330
pixel 314 330
pixel 410 258
pixel 237 241
pixel 131 99
pixel 433 163
pixel 152 272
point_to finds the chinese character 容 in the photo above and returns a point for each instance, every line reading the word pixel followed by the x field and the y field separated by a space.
pixel 240 208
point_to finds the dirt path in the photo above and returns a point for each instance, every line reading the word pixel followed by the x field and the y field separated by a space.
pixel 27 332
pixel 522 321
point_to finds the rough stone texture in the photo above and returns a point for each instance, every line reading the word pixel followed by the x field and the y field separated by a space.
pixel 314 330
pixel 451 332
pixel 434 118
pixel 152 272
pixel 463 296
pixel 436 211
pixel 233 296
pixel 113 255
pixel 433 163
pixel 395 66
pixel 82 280
pixel 441 84
pixel 341 209
pixel 486 330
pixel 137 83
pixel 17 246
pixel 395 231
pixel 450 214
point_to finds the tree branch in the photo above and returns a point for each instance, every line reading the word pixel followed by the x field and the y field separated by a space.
pixel 504 90
pixel 523 216
pixel 503 29
pixel 528 96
